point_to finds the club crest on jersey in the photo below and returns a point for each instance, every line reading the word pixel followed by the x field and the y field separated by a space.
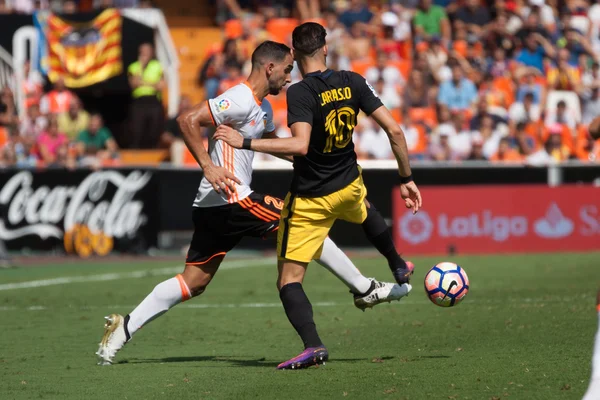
pixel 265 120
pixel 223 105
pixel 372 88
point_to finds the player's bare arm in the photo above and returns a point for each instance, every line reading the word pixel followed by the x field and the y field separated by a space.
pixel 190 123
pixel 297 145
pixel 408 189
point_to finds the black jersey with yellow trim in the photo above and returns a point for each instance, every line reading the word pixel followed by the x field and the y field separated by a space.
pixel 330 102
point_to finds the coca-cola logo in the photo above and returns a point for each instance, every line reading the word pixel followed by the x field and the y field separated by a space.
pixel 39 211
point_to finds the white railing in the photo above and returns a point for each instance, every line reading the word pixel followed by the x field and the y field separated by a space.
pixel 7 75
pixel 166 52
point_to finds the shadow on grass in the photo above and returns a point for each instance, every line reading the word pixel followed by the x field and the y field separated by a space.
pixel 236 362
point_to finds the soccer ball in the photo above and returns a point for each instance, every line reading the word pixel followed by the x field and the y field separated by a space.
pixel 446 284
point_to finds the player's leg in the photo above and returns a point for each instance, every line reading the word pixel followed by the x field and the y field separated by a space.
pixel 207 250
pixel 593 391
pixel 380 236
pixel 304 226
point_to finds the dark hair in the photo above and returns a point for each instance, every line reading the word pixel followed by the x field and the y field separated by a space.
pixel 529 95
pixel 521 126
pixel 269 51
pixel 561 104
pixel 308 38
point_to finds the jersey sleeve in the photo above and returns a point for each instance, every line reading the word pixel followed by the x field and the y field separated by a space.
pixel 269 126
pixel 369 100
pixel 225 110
pixel 300 104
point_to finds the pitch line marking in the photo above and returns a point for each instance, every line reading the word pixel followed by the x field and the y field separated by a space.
pixel 113 276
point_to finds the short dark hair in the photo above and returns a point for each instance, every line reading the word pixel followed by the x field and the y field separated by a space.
pixel 561 104
pixel 529 95
pixel 308 37
pixel 269 51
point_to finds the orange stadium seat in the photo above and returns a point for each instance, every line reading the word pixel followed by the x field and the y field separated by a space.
pixel 281 29
pixel 507 87
pixel 233 29
pixel 460 46
pixel 403 66
pixel 422 143
pixel 397 114
pixel 424 115
pixel 361 66
pixel 3 136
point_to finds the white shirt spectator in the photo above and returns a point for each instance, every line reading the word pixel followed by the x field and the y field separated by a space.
pixel 376 144
pixel 546 13
pixel 390 75
pixel 594 15
pixel 517 113
pixel 569 119
pixel 412 136
pixel 389 97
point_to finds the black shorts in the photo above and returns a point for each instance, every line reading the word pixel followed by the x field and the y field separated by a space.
pixel 219 229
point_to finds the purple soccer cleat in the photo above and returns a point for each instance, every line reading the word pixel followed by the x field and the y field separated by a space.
pixel 403 275
pixel 308 358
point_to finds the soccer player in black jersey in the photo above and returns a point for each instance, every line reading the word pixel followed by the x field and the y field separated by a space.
pixel 327 182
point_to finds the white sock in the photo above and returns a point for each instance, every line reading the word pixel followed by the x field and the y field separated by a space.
pixel 340 265
pixel 164 296
pixel 593 391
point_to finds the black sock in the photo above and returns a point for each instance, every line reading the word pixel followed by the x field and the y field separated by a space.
pixel 380 236
pixel 299 311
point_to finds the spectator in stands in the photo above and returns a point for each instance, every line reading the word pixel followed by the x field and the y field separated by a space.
pixel 233 76
pixel 591 106
pixel 57 100
pixel 211 72
pixel 561 116
pixel 474 16
pixel 395 29
pixel 358 44
pixel 524 112
pixel 417 93
pixel 147 113
pixel 374 143
pixel 476 153
pixel 530 85
pixel 8 112
pixel 52 145
pixel 505 153
pixel 412 135
pixel 69 7
pixel 498 66
pixel 32 85
pixel 441 150
pixel 172 131
pixel 33 124
pixel 588 149
pixel 590 79
pixel 437 56
pixel 358 12
pixel 384 70
pixel 482 112
pixel 16 151
pixel 75 120
pixel 431 20
pixel 544 12
pixel 520 141
pixel 388 94
pixel 459 93
pixel 536 48
pixel 553 151
pixel 564 76
pixel 96 141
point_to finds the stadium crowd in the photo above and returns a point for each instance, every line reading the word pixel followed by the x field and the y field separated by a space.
pixel 504 80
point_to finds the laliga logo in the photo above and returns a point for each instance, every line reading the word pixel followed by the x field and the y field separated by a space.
pixel 416 228
pixel 43 208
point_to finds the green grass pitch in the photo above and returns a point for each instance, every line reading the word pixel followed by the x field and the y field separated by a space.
pixel 525 331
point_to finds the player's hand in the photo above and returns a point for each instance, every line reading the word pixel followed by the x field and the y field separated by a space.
pixel 229 136
pixel 411 195
pixel 221 179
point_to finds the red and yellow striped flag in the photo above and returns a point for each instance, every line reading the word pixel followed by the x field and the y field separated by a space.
pixel 85 53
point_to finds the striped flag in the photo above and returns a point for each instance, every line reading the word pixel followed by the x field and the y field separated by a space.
pixel 84 53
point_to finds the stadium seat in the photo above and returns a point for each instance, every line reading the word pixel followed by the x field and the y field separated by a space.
pixel 361 66
pixel 3 136
pixel 281 29
pixel 397 114
pixel 143 157
pixel 422 143
pixel 423 115
pixel 460 46
pixel 403 66
pixel 233 29
pixel 507 87
pixel 570 98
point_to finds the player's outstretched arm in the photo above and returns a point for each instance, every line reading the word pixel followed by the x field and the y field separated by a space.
pixel 297 145
pixel 409 191
pixel 190 123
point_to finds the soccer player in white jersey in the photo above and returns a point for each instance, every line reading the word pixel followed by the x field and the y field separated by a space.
pixel 593 391
pixel 226 209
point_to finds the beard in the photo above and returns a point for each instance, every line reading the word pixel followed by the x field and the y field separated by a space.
pixel 274 91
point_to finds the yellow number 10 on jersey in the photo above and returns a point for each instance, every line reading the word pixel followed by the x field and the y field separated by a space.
pixel 339 124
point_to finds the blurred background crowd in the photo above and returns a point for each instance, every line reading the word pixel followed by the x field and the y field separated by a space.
pixel 507 81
